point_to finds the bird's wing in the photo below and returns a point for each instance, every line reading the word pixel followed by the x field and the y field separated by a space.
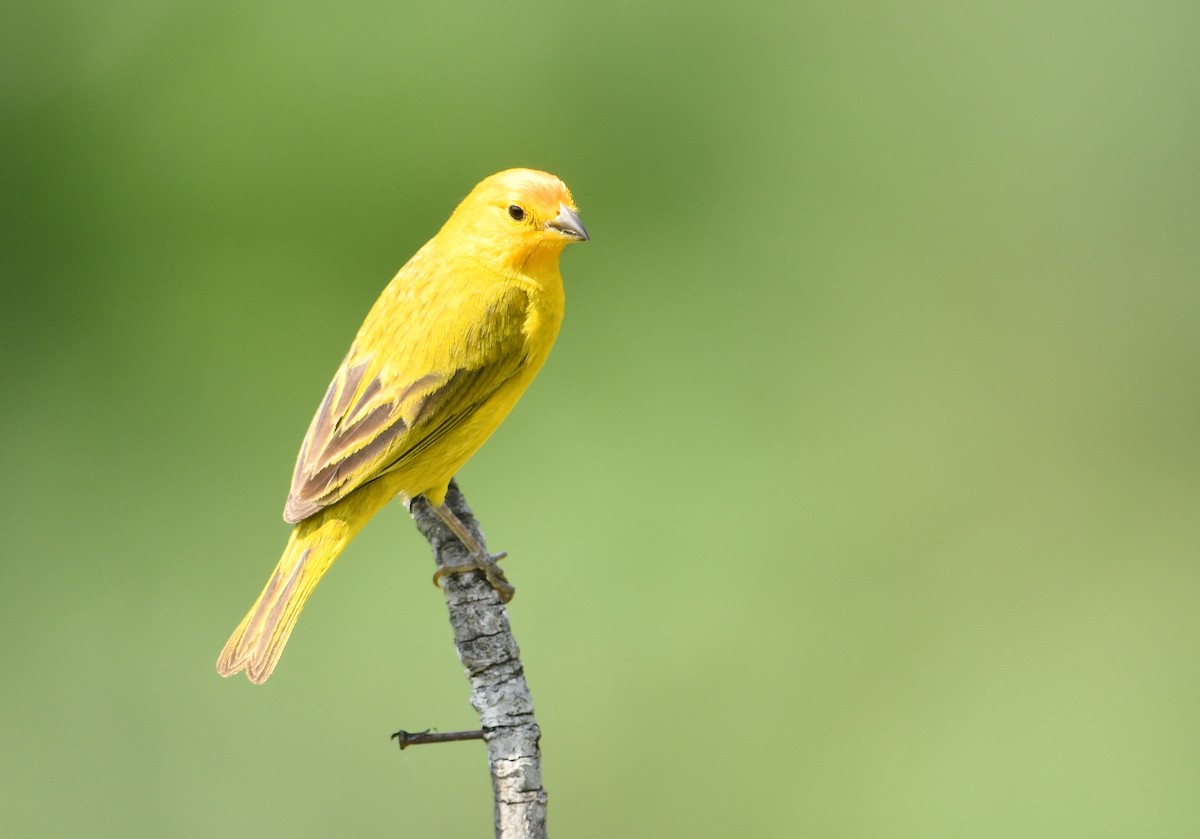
pixel 379 412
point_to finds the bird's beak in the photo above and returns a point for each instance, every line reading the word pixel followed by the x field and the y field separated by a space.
pixel 567 222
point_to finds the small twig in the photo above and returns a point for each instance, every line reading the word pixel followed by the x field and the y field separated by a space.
pixel 417 738
pixel 492 660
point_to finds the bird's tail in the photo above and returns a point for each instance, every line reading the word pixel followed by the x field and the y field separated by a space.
pixel 315 543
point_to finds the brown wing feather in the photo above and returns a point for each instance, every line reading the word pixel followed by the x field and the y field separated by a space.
pixel 366 427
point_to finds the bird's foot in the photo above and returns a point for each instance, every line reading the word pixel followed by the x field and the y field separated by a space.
pixel 486 563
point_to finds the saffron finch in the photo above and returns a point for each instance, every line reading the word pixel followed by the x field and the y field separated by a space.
pixel 442 357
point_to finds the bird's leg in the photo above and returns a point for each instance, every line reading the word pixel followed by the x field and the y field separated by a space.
pixel 480 559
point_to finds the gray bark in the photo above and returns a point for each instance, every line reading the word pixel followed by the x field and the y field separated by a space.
pixel 492 660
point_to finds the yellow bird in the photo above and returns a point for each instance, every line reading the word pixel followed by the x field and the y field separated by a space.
pixel 440 360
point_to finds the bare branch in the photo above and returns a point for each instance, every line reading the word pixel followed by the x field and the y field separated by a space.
pixel 492 660
pixel 404 739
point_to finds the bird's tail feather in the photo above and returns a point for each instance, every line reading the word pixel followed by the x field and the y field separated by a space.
pixel 257 643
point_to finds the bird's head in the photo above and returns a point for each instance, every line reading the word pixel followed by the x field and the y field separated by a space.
pixel 518 220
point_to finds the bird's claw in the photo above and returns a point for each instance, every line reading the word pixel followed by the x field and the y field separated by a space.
pixel 486 564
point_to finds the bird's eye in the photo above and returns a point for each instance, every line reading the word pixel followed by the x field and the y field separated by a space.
pixel 516 213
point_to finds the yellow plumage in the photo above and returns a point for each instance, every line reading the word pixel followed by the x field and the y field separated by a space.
pixel 439 361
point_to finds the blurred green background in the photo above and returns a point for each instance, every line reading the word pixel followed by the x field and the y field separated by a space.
pixel 858 499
